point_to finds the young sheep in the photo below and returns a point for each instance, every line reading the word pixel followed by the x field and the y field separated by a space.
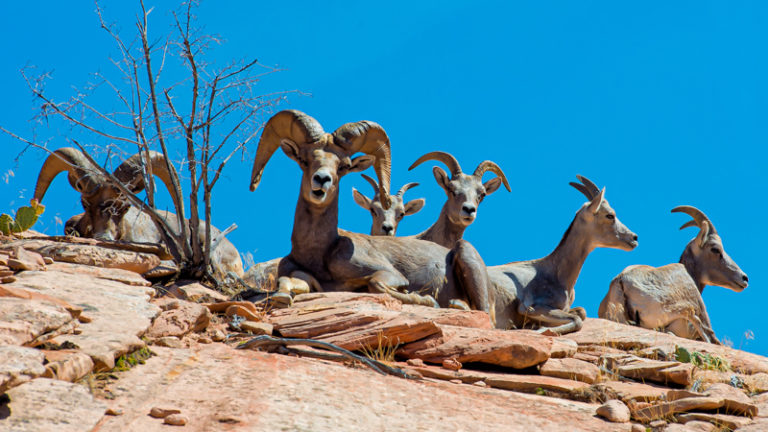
pixel 386 221
pixel 411 270
pixel 108 213
pixel 669 298
pixel 465 193
pixel 540 293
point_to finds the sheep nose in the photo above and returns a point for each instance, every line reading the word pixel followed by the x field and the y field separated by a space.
pixel 744 278
pixel 634 237
pixel 387 228
pixel 321 178
pixel 469 209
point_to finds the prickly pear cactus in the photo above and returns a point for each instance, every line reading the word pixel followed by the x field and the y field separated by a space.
pixel 25 217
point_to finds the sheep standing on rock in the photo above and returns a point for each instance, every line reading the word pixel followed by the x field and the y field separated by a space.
pixel 669 298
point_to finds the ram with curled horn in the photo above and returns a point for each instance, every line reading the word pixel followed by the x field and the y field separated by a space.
pixel 465 192
pixel 411 270
pixel 108 213
pixel 669 297
pixel 386 221
pixel 539 293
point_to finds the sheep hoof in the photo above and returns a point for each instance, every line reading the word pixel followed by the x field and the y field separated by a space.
pixel 281 300
pixel 458 304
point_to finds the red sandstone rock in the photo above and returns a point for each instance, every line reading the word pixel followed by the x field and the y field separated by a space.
pixel 45 405
pixel 614 410
pixel 179 318
pixel 663 372
pixel 515 349
pixel 570 368
pixel 67 365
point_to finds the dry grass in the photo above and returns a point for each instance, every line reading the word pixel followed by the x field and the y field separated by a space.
pixel 384 351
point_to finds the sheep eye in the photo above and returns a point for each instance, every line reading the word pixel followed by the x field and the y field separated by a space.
pixel 610 216
pixel 715 251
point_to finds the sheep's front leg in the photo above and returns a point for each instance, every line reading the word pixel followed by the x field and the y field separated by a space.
pixel 553 320
pixel 471 273
pixel 386 281
pixel 691 327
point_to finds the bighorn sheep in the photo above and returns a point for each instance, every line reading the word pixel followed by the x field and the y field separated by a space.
pixel 385 221
pixel 109 215
pixel 465 193
pixel 341 260
pixel 669 297
pixel 540 293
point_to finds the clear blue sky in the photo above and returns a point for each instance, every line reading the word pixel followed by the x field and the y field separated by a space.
pixel 662 102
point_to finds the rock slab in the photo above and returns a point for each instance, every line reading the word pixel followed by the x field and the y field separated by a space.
pixel 45 405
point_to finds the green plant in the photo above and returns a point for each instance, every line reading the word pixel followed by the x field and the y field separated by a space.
pixel 25 217
pixel 702 360
pixel 127 361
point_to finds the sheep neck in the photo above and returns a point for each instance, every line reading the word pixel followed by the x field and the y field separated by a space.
pixel 315 229
pixel 689 262
pixel 566 261
pixel 443 231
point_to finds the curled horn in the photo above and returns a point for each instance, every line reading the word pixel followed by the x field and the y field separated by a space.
pixel 76 164
pixel 698 218
pixel 589 189
pixel 288 124
pixel 373 183
pixel 446 158
pixel 405 188
pixel 369 138
pixel 130 173
pixel 486 166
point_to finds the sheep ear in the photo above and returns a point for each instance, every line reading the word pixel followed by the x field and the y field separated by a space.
pixel 414 206
pixel 290 149
pixel 701 239
pixel 492 185
pixel 597 201
pixel 361 163
pixel 441 177
pixel 361 200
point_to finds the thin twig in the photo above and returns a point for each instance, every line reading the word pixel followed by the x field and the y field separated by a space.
pixel 266 341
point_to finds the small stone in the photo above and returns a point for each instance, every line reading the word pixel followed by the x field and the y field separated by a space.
pixel 457 381
pixel 163 412
pixel 637 427
pixel 451 364
pixel 243 312
pixel 657 424
pixel 8 279
pixel 256 328
pixel 614 410
pixel 22 259
pixel 415 362
pixel 114 411
pixel 204 340
pixel 176 420
pixel 48 260
pixel 480 384
pixel 218 336
pixel 169 341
